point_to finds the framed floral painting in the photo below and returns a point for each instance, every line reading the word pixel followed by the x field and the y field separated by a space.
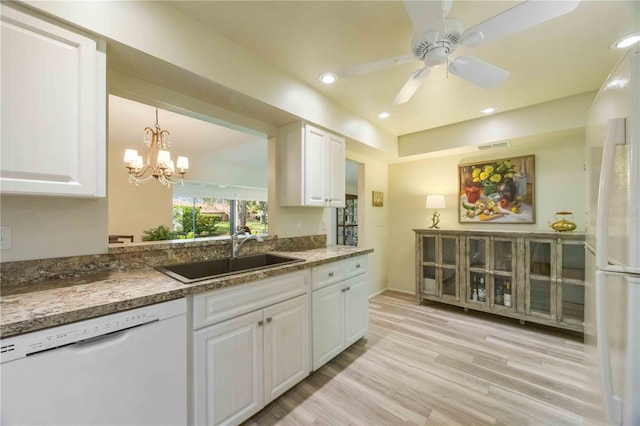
pixel 497 191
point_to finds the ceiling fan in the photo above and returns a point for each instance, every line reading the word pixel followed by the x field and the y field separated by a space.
pixel 436 37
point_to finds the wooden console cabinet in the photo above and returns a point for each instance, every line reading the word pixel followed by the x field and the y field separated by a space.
pixel 531 276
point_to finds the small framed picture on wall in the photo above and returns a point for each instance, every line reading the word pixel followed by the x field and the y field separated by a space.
pixel 378 199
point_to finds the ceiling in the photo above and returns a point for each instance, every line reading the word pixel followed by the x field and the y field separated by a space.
pixel 567 56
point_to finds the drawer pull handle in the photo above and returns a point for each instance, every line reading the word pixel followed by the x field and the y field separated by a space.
pixel 343 290
pixel 330 274
pixel 358 265
pixel 269 319
pixel 349 288
pixel 260 323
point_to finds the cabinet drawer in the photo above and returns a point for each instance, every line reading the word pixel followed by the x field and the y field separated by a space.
pixel 327 274
pixel 354 266
pixel 219 305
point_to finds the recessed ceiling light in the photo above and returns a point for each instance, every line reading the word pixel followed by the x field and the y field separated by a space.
pixel 328 78
pixel 384 114
pixel 489 110
pixel 626 41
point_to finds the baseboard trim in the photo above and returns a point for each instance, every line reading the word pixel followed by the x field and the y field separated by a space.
pixel 401 291
pixel 371 296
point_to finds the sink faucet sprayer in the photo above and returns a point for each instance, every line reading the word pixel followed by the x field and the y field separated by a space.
pixel 236 244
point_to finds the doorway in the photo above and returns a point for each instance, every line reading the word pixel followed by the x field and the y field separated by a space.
pixel 345 229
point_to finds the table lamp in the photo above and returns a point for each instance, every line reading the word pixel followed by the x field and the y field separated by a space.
pixel 435 202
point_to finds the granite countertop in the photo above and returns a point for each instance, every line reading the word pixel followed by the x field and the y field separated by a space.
pixel 51 303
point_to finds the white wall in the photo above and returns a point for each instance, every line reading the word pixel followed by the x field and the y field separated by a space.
pixel 373 222
pixel 44 227
pixel 560 181
pixel 541 119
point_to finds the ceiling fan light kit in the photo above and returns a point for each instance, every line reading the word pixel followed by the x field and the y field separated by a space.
pixel 436 38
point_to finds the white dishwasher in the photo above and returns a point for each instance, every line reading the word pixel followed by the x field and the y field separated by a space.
pixel 128 368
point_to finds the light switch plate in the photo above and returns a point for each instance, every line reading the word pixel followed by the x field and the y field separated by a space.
pixel 5 237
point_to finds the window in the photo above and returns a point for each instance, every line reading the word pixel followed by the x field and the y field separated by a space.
pixel 205 217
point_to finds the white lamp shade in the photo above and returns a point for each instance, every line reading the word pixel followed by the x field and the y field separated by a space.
pixel 183 163
pixel 137 163
pixel 435 202
pixel 130 155
pixel 170 165
pixel 164 156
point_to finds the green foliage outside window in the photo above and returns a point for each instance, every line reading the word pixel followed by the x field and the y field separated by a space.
pixel 206 225
pixel 160 233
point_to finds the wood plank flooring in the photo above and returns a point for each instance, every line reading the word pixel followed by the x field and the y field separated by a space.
pixel 438 365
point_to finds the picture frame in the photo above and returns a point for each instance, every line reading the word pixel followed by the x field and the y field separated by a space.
pixel 377 199
pixel 498 191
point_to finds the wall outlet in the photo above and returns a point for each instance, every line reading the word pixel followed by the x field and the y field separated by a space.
pixel 5 237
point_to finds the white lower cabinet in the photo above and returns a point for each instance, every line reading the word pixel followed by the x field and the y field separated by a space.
pixel 229 370
pixel 340 313
pixel 356 309
pixel 243 363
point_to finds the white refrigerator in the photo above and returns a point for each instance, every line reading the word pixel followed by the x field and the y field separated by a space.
pixel 612 294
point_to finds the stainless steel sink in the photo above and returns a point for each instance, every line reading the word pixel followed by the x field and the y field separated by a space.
pixel 207 269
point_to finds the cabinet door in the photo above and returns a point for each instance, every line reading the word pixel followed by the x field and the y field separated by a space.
pixel 286 349
pixel 503 257
pixel 356 308
pixel 335 171
pixel 328 323
pixel 53 109
pixel 315 170
pixel 426 284
pixel 570 279
pixel 477 258
pixel 540 285
pixel 228 370
pixel 448 267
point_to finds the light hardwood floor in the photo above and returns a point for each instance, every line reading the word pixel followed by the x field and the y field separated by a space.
pixel 436 364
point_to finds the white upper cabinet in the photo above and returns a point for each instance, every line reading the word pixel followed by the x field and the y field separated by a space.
pixel 311 167
pixel 53 108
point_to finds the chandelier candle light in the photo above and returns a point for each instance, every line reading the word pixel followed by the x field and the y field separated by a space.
pixel 435 202
pixel 164 171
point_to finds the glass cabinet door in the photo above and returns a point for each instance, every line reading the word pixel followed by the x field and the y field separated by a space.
pixel 429 249
pixel 449 279
pixel 439 266
pixel 571 260
pixel 540 285
pixel 477 278
pixel 429 286
pixel 449 266
pixel 503 269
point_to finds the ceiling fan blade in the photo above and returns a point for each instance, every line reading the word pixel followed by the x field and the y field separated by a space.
pixel 375 66
pixel 478 72
pixel 411 86
pixel 426 16
pixel 518 18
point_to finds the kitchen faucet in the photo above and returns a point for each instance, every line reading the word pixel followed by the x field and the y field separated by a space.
pixel 236 244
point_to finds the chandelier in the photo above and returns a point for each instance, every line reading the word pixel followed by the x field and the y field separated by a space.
pixel 163 170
